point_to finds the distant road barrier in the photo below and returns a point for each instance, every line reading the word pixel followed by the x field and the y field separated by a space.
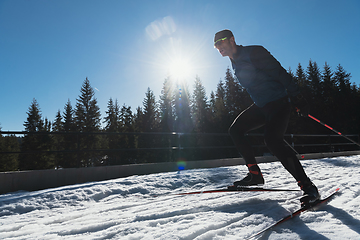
pixel 44 179
pixel 178 144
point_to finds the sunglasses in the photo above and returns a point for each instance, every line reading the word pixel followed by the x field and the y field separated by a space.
pixel 219 41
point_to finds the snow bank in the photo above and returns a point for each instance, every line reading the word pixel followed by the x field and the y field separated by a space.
pixel 126 209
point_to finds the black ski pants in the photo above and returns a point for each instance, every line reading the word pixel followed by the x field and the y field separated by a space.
pixel 274 117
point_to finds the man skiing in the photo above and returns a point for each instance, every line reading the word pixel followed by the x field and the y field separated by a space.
pixel 271 88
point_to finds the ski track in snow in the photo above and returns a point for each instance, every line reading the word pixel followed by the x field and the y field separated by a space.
pixel 126 208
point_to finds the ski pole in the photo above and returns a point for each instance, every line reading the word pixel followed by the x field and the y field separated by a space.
pixel 332 129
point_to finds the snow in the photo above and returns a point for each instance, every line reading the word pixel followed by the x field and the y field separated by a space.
pixel 126 208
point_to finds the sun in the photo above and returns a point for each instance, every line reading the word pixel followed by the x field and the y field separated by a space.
pixel 181 56
pixel 180 68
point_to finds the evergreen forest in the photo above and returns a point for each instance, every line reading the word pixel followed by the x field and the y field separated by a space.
pixel 181 125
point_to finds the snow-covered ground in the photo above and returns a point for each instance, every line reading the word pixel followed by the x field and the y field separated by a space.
pixel 125 208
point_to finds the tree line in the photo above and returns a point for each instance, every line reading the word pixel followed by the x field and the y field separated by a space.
pixel 80 137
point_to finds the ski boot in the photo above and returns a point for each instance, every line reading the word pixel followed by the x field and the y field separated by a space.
pixel 251 179
pixel 311 194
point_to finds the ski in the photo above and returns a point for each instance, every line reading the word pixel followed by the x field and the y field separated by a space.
pixel 230 189
pixel 296 213
pixel 242 189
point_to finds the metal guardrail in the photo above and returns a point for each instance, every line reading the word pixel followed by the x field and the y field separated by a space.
pixel 179 135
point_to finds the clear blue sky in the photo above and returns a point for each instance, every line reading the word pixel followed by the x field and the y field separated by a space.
pixel 48 48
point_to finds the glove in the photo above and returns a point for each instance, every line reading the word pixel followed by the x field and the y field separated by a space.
pixel 301 105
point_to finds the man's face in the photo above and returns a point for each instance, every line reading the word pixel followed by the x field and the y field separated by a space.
pixel 224 47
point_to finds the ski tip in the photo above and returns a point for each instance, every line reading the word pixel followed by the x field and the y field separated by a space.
pixel 337 190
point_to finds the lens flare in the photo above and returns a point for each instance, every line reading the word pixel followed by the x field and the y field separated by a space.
pixel 181 164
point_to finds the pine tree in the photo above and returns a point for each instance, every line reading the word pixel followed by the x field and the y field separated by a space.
pixel 314 78
pixel 166 106
pixel 138 120
pixel 34 122
pixel 328 83
pixel 127 120
pixel 300 77
pixel 112 118
pixel 295 124
pixel 127 141
pixel 70 139
pixel 112 125
pixel 36 144
pixel 167 119
pixel 200 116
pixel 87 119
pixel 212 104
pixel 328 92
pixel 356 105
pixel 220 123
pixel 149 117
pixel 345 100
pixel 68 115
pixel 183 122
pixel 232 96
pixel 87 113
pixel 47 125
pixel 200 108
pixel 290 72
pixel 342 80
pixel 57 127
pixel 9 162
pixel 150 112
pixel 302 81
pixel 138 139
